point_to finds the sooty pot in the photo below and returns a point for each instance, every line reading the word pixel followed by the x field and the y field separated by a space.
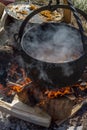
pixel 45 66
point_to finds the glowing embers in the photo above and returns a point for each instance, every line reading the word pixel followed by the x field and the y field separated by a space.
pixel 19 87
pixel 17 78
pixel 66 90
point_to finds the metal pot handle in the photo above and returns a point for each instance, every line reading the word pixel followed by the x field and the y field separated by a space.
pixel 50 8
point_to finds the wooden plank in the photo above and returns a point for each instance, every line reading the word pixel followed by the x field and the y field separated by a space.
pixel 67 14
pixel 25 112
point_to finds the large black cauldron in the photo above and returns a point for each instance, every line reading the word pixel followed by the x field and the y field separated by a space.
pixel 53 72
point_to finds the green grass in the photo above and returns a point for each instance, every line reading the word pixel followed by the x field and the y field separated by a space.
pixel 81 4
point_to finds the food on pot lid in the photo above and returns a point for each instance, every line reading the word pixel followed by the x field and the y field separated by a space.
pixel 50 16
pixel 20 11
pixel 33 7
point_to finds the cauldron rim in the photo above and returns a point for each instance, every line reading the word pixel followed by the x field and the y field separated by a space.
pixel 49 62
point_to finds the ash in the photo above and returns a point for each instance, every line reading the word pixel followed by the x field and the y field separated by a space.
pixel 7 122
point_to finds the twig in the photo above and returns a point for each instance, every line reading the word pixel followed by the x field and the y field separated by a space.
pixel 21 86
pixel 12 83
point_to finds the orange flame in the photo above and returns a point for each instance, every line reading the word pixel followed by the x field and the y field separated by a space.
pixel 21 79
pixel 26 81
pixel 19 87
pixel 81 87
pixel 62 91
pixel 16 88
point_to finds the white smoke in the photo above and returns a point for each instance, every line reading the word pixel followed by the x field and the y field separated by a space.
pixel 54 44
pixel 42 75
pixel 61 44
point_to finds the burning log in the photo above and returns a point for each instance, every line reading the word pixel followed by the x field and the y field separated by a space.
pixel 31 94
pixel 58 108
pixel 54 103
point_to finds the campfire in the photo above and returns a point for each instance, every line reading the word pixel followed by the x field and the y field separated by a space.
pixel 58 102
pixel 18 82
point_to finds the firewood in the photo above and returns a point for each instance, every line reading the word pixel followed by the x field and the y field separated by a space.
pixel 75 109
pixel 24 97
pixel 6 49
pixel 57 108
pixel 31 95
pixel 60 108
pixel 27 113
pixel 15 84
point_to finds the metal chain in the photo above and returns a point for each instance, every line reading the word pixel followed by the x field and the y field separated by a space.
pixel 76 15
